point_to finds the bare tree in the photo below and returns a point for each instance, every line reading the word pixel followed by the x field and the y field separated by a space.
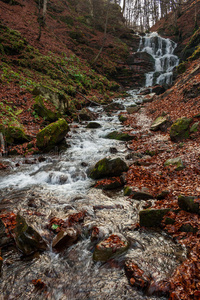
pixel 41 16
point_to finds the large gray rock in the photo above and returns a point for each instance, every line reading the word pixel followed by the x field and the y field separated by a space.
pixel 108 168
pixel 158 123
pixel 175 162
pixel 27 239
pixel 111 247
pixel 152 217
pixel 188 203
pixel 180 129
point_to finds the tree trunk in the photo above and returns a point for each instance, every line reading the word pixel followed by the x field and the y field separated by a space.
pixel 105 33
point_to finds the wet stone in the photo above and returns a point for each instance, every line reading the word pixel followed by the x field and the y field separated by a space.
pixel 108 168
pixel 111 247
pixel 136 276
pixel 120 136
pixel 27 239
pixel 65 239
pixel 152 217
pixel 188 203
pixel 93 125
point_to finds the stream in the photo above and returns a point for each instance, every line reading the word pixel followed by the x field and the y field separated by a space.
pixel 59 186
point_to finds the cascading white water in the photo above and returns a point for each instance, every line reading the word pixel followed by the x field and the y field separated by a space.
pixel 161 50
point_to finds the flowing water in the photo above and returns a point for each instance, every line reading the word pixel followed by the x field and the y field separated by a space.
pixel 58 187
pixel 161 50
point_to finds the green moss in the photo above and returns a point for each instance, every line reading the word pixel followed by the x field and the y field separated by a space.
pixel 127 191
pixel 152 217
pixel 14 134
pixel 120 136
pixel 180 129
pixel 43 112
pixel 52 135
pixel 122 118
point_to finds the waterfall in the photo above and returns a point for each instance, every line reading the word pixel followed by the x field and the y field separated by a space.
pixel 2 144
pixel 161 50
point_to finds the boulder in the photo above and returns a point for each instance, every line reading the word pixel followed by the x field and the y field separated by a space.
pixel 93 125
pixel 149 98
pixel 86 115
pixel 140 195
pixel 180 129
pixel 114 107
pixel 27 239
pixel 158 89
pixel 43 112
pixel 55 98
pixel 122 118
pixel 14 134
pixel 152 217
pixel 194 127
pixel 188 203
pixel 188 228
pixel 108 168
pixel 65 239
pixel 127 191
pixel 111 247
pixel 175 162
pixel 133 109
pixel 158 123
pixel 52 135
pixel 120 136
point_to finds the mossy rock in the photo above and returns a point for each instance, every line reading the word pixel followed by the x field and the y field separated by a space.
pixel 180 129
pixel 188 228
pixel 187 203
pixel 111 247
pixel 133 109
pixel 57 99
pixel 175 162
pixel 43 112
pixel 108 168
pixel 93 125
pixel 122 118
pixel 127 191
pixel 52 135
pixel 27 239
pixel 194 127
pixel 152 217
pixel 120 136
pixel 14 134
pixel 139 195
pixel 158 123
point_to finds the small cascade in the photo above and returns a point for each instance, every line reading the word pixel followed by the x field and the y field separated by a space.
pixel 161 50
pixel 2 144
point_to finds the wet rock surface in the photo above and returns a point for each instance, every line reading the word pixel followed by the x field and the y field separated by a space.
pixel 108 168
pixel 111 247
pixel 27 239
